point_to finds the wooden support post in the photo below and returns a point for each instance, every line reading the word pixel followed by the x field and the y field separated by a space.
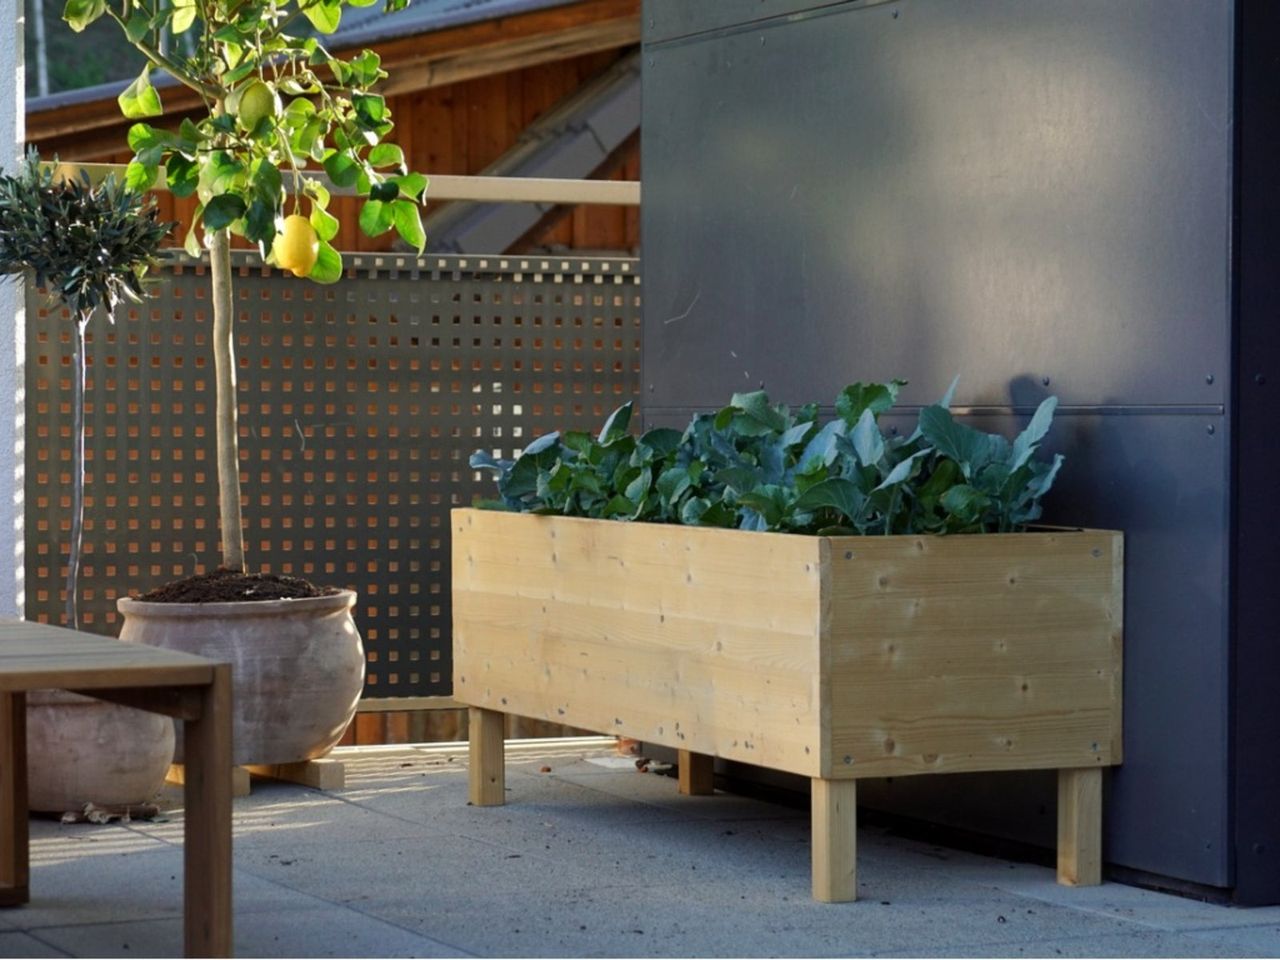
pixel 835 840
pixel 487 766
pixel 14 856
pixel 697 774
pixel 1080 827
pixel 323 774
pixel 207 823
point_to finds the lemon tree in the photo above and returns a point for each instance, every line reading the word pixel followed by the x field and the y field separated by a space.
pixel 279 109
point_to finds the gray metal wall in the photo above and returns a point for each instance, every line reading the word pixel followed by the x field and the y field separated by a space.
pixel 1036 195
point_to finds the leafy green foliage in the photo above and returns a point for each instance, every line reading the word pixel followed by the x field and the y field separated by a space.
pixel 757 465
pixel 90 244
pixel 279 106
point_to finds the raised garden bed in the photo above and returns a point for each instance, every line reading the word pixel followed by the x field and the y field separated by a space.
pixel 831 657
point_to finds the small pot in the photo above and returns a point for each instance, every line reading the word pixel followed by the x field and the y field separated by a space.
pixel 297 666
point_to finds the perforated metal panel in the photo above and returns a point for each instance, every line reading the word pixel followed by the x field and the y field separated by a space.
pixel 359 406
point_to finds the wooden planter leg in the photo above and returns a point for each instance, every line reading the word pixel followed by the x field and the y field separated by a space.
pixel 487 767
pixel 1080 827
pixel 13 800
pixel 697 774
pixel 835 840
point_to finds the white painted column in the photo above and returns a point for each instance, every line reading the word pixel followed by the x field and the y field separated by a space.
pixel 12 335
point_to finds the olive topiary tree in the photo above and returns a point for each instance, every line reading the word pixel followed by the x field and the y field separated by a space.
pixel 91 245
pixel 276 105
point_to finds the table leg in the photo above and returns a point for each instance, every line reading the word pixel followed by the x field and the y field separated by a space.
pixel 487 761
pixel 207 822
pixel 14 841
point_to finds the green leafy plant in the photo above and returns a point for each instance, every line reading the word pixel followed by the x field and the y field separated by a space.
pixel 276 106
pixel 91 246
pixel 757 465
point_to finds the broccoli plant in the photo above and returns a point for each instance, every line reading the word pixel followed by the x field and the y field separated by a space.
pixel 757 465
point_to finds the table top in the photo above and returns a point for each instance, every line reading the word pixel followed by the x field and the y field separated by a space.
pixel 36 656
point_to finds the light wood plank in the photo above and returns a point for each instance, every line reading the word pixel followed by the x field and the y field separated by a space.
pixel 638 629
pixel 993 652
pixel 835 840
pixel 14 879
pixel 487 764
pixel 322 774
pixel 1080 827
pixel 697 774
pixel 207 823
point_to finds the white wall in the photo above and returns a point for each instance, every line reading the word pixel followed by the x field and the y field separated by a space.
pixel 12 335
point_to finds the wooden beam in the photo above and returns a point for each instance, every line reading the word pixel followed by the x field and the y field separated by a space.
pixel 181 703
pixel 552 190
pixel 697 774
pixel 14 854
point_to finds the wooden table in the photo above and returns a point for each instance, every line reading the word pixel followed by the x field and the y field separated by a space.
pixel 186 687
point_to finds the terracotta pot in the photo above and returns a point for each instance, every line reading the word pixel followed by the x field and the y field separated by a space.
pixel 297 666
pixel 87 751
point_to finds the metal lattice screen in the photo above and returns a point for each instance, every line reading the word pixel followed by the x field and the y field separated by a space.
pixel 360 404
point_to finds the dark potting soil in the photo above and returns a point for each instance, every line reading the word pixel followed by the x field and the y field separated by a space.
pixel 229 586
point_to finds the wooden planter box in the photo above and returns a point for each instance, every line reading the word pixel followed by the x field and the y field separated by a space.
pixel 830 657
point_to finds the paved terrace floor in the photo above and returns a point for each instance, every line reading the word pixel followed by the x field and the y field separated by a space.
pixel 589 859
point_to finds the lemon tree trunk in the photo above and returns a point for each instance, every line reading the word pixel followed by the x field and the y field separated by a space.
pixel 224 371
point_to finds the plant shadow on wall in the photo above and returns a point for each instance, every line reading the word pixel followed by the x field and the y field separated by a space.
pixel 757 465
pixel 278 108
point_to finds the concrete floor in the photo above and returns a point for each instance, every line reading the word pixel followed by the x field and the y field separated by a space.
pixel 589 859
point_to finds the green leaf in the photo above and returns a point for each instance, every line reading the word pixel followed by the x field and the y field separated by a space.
pixel 408 221
pixel 902 471
pixel 191 242
pixel 80 13
pixel 140 99
pixel 342 168
pixel 838 494
pixel 411 185
pixel 182 175
pixel 661 440
pixel 260 222
pixel 386 155
pixel 325 15
pixel 222 210
pixel 267 184
pixel 184 15
pixel 328 268
pixel 137 26
pixel 139 177
pixel 867 440
pixel 616 426
pixel 965 503
pixel 326 224
pixel 371 109
pixel 236 74
pixel 876 397
pixel 756 406
pixel 376 218
pixel 1024 445
pixel 971 449
pixel 618 506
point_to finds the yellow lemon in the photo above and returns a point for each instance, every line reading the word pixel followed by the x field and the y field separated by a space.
pixel 256 100
pixel 297 247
